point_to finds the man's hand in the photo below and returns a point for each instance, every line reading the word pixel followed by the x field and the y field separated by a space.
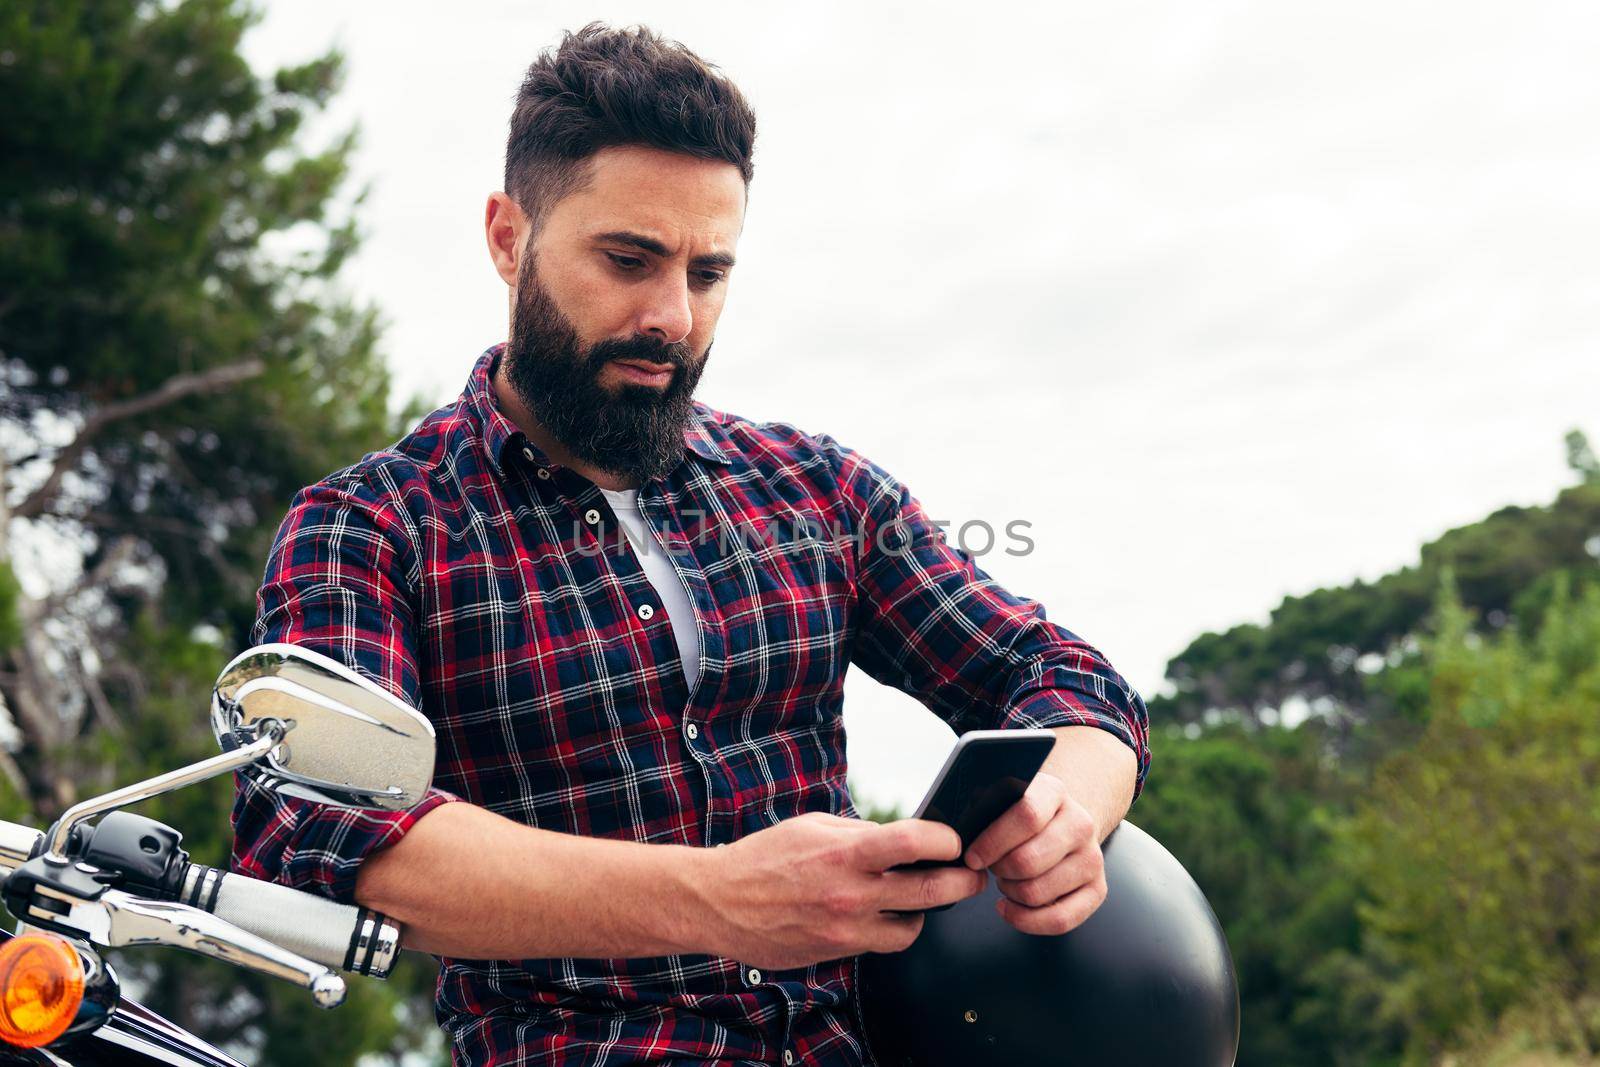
pixel 1045 855
pixel 818 887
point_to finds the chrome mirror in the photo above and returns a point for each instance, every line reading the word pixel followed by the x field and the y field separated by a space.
pixel 347 740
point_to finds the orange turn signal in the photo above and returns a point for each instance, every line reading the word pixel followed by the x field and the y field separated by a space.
pixel 41 986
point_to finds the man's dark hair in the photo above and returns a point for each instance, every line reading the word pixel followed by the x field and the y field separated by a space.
pixel 601 87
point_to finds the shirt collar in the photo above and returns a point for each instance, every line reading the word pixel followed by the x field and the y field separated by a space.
pixel 702 436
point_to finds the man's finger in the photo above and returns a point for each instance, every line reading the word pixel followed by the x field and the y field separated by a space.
pixel 1023 820
pixel 895 933
pixel 1040 853
pixel 919 890
pixel 907 841
pixel 1078 869
pixel 1066 914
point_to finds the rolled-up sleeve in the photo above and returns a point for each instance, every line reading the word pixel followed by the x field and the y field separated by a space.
pixel 339 581
pixel 931 623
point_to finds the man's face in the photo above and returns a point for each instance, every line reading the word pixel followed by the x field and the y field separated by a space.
pixel 617 299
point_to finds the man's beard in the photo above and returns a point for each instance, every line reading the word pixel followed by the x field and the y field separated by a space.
pixel 635 432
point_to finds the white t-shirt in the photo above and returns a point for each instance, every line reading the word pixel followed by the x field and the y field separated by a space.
pixel 653 558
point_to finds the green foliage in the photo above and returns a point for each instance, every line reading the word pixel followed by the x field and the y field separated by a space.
pixel 1476 849
pixel 882 813
pixel 173 343
pixel 1410 875
pixel 1251 816
pixel 1581 458
pixel 1329 647
pixel 1415 873
pixel 1437 903
pixel 146 161
pixel 10 597
pixel 160 223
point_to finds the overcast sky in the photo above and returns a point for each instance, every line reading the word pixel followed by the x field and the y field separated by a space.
pixel 1229 300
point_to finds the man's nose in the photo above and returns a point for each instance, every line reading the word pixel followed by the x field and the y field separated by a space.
pixel 666 315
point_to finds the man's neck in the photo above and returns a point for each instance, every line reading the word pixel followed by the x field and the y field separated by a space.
pixel 515 410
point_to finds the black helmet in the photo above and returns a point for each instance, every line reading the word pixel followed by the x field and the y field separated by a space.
pixel 1146 981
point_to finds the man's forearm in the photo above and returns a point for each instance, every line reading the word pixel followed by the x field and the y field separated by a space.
pixel 1099 771
pixel 466 882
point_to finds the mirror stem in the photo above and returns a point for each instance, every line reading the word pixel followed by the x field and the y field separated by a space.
pixel 271 735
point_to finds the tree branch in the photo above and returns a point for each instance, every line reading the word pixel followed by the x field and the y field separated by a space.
pixel 103 711
pixel 119 555
pixel 173 389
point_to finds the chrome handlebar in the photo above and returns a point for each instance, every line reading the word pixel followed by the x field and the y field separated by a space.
pixel 114 918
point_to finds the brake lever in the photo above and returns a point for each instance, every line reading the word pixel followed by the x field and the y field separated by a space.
pixel 116 919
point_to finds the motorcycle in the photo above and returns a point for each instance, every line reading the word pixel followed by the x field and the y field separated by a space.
pixel 100 877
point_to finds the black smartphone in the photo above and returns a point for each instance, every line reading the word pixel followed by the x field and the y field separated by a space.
pixel 986 772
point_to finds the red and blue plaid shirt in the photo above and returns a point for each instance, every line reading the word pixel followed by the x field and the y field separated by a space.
pixel 489 587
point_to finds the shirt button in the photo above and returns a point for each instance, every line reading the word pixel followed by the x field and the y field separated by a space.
pixel 754 976
pixel 591 516
pixel 692 730
pixel 646 611
pixel 788 1056
pixel 528 452
pixel 543 474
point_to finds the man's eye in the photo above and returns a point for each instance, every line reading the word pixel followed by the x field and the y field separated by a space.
pixel 626 262
pixel 709 278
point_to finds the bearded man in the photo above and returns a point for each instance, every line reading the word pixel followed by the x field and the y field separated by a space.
pixel 640 846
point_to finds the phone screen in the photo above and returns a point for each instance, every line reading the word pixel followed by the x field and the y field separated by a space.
pixel 987 772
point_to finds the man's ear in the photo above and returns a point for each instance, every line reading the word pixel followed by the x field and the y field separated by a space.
pixel 505 228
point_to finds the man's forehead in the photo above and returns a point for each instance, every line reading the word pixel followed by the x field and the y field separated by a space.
pixel 666 197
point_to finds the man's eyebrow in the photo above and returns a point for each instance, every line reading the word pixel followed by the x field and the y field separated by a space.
pixel 656 248
pixel 713 259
